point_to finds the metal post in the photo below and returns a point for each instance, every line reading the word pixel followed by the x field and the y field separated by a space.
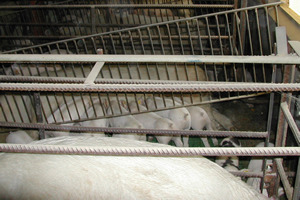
pixel 282 125
pixel 243 24
pixel 38 111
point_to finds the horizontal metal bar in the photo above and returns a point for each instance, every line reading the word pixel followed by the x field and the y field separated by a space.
pixel 43 79
pixel 150 151
pixel 247 174
pixel 120 6
pixel 291 122
pixel 201 87
pixel 125 37
pixel 259 174
pixel 53 127
pixel 284 179
pixel 148 58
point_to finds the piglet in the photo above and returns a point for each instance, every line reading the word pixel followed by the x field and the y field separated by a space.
pixel 67 112
pixel 201 121
pixel 180 116
pixel 18 137
pixel 153 121
pixel 127 121
pixel 94 110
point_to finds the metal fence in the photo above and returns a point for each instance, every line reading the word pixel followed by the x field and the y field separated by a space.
pixel 28 24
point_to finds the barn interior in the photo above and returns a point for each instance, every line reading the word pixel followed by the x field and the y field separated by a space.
pixel 62 60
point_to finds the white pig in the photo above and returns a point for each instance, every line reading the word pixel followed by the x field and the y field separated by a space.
pixel 127 121
pixel 67 112
pixel 95 122
pixel 153 121
pixel 180 116
pixel 199 121
pixel 18 137
pixel 38 176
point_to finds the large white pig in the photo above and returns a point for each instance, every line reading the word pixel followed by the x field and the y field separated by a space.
pixel 37 176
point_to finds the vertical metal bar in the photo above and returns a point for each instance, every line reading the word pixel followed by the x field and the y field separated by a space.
pixel 258 32
pixel 219 34
pixel 234 26
pixel 291 122
pixel 93 20
pixel 269 125
pixel 170 39
pixel 199 37
pixel 180 38
pixel 285 182
pixel 209 36
pixel 296 194
pixel 288 74
pixel 281 40
pixel 268 29
pixel 38 112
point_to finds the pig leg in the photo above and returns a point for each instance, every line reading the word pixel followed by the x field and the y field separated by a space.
pixel 142 138
pixel 177 141
pixel 205 142
pixel 185 141
pixel 163 139
pixel 214 140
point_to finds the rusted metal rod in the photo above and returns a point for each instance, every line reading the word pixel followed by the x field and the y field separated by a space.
pixel 291 122
pixel 207 87
pixel 285 182
pixel 161 6
pixel 41 79
pixel 54 127
pixel 149 151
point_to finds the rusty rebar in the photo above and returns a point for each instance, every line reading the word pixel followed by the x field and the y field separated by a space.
pixel 53 127
pixel 149 151
pixel 207 87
